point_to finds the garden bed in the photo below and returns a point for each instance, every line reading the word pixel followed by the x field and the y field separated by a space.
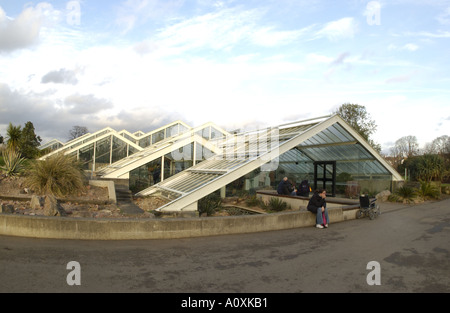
pixel 93 202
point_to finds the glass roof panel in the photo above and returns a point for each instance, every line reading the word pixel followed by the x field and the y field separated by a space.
pixel 340 132
pixel 215 133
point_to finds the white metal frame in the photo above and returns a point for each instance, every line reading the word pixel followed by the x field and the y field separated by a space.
pixel 122 168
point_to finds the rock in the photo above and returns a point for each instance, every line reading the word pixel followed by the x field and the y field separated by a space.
pixel 52 207
pixel 383 196
pixel 148 215
pixel 36 202
pixel 7 208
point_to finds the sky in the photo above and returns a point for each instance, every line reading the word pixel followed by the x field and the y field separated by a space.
pixel 247 64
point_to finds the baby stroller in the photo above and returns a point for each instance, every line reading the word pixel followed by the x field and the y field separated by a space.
pixel 368 207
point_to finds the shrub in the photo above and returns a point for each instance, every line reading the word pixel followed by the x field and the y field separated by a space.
pixel 58 175
pixel 430 166
pixel 14 163
pixel 428 191
pixel 425 167
pixel 277 205
pixel 209 204
pixel 403 194
pixel 253 200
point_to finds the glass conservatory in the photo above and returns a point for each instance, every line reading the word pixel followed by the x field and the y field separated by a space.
pixel 325 150
pixel 185 164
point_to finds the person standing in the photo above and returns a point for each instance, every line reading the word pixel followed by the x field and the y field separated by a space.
pixel 318 205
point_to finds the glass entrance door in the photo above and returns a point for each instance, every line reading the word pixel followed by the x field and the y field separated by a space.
pixel 325 176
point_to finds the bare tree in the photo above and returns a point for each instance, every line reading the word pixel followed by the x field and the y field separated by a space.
pixel 77 131
pixel 440 145
pixel 405 147
pixel 396 156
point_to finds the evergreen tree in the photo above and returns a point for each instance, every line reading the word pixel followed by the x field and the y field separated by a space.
pixel 29 142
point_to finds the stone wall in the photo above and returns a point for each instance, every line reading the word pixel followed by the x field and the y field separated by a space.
pixel 110 229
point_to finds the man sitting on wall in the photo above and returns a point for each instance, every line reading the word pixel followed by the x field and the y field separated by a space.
pixel 285 187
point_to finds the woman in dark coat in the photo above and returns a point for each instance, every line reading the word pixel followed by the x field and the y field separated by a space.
pixel 318 205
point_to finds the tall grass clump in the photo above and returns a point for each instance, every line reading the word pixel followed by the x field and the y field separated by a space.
pixel 277 205
pixel 58 175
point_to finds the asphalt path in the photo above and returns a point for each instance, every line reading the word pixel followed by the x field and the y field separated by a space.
pixel 411 244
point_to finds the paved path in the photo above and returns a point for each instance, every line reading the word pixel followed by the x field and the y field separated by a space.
pixel 411 244
pixel 129 207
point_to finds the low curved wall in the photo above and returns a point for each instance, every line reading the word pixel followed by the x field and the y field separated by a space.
pixel 298 202
pixel 124 229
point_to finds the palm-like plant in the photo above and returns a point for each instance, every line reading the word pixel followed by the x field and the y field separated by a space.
pixel 404 194
pixel 13 135
pixel 428 191
pixel 14 163
pixel 431 166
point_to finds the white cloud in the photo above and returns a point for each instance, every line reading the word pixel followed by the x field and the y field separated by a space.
pixel 409 47
pixel 268 37
pixel 313 58
pixel 20 32
pixel 444 17
pixel 427 34
pixel 217 31
pixel 26 29
pixel 336 30
pixel 133 13
pixel 221 30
